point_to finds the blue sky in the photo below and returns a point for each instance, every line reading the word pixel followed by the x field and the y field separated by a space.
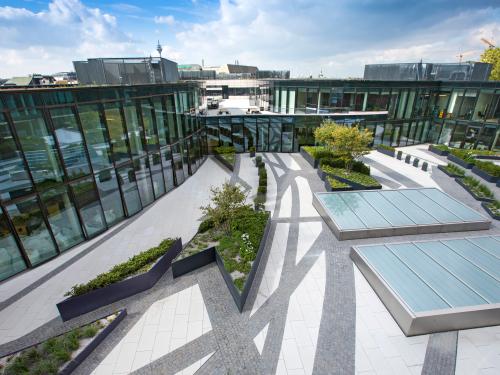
pixel 336 37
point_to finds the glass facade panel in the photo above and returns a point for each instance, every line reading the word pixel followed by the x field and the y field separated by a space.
pixel 178 167
pixel 11 261
pixel 168 173
pixel 15 179
pixel 157 174
pixel 263 134
pixel 118 139
pixel 70 141
pixel 161 121
pixel 149 125
pixel 134 130
pixel 275 135
pixel 62 217
pixel 89 207
pixel 107 186
pixel 287 136
pixel 237 125
pixel 95 135
pixel 143 178
pixel 32 230
pixel 127 178
pixel 39 148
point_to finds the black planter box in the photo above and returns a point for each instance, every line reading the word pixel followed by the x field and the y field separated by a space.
pixel 329 187
pixel 355 185
pixel 94 343
pixel 224 162
pixel 386 152
pixel 498 182
pixel 459 181
pixel 489 157
pixel 193 262
pixel 252 154
pixel 78 305
pixel 240 298
pixel 314 162
pixel 484 175
pixel 321 173
pixel 438 151
pixel 486 208
pixel 459 161
pixel 444 170
pixel 75 362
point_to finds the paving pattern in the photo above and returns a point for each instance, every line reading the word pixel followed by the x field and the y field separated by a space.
pixel 310 310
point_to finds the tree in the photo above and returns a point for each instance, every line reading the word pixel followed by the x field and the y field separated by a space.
pixel 225 203
pixel 325 133
pixel 351 143
pixel 492 56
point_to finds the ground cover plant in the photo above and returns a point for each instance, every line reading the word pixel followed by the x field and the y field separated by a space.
pixel 318 152
pixel 453 169
pixel 227 153
pixel 441 147
pixel 356 177
pixel 137 264
pixel 357 166
pixel 385 147
pixel 465 155
pixel 260 198
pixel 494 207
pixel 336 184
pixel 477 188
pixel 50 356
pixel 487 166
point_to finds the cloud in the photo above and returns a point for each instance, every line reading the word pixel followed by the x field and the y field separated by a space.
pixel 167 20
pixel 126 8
pixel 47 41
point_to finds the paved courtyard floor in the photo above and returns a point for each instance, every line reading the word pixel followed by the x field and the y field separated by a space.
pixel 310 310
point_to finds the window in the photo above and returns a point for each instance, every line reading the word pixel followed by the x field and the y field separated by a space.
pixel 11 261
pixel 89 207
pixel 143 178
pixel 32 230
pixel 178 165
pixel 161 121
pixel 107 186
pixel 118 139
pixel 127 178
pixel 62 217
pixel 157 174
pixel 149 125
pixel 134 131
pixel 166 159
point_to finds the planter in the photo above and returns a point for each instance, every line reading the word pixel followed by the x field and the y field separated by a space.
pixel 399 155
pixel 486 208
pixel 476 197
pixel 386 152
pixel 437 151
pixel 488 157
pixel 484 175
pixel 355 185
pixel 224 162
pixel 314 163
pixel 329 187
pixel 252 154
pixel 498 183
pixel 321 173
pixel 193 262
pixel 459 161
pixel 78 305
pixel 240 298
pixel 444 170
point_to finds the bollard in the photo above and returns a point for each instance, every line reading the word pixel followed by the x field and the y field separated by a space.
pixel 424 166
pixel 400 155
pixel 415 162
pixel 407 159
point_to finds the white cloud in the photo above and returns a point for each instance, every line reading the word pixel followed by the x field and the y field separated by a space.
pixel 167 20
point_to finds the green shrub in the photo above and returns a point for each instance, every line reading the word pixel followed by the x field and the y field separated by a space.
pixel 357 166
pixel 206 225
pixel 453 169
pixel 258 161
pixel 494 207
pixel 225 150
pixel 90 331
pixel 262 189
pixel 385 147
pixel 465 155
pixel 252 149
pixel 477 188
pixel 488 167
pixel 441 147
pixel 336 184
pixel 356 177
pixel 123 270
pixel 318 152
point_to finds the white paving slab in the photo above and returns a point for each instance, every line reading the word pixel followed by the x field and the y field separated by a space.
pixel 286 203
pixel 381 346
pixel 303 319
pixel 308 234
pixel 260 339
pixel 191 370
pixel 167 325
pixel 289 161
pixel 305 198
pixel 478 351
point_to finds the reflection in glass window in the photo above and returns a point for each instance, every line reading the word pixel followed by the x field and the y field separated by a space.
pixel 287 136
pixel 32 231
pixel 133 129
pixel 107 186
pixel 15 179
pixel 178 165
pixel 143 179
pixel 263 134
pixel 166 159
pixel 70 142
pixel 89 207
pixel 11 261
pixel 149 126
pixel 275 135
pixel 157 174
pixel 95 135
pixel 39 148
pixel 161 121
pixel 171 118
pixel 117 135
pixel 127 178
pixel 62 217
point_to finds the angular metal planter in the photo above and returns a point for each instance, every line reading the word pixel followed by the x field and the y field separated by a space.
pixel 79 305
pixel 460 182
pixel 437 151
pixel 487 209
pixel 386 152
pixel 193 262
pixel 355 185
pixel 329 187
pixel 484 175
pixel 444 170
pixel 224 162
pixel 459 161
pixel 314 162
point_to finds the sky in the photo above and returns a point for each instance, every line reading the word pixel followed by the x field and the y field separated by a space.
pixel 332 37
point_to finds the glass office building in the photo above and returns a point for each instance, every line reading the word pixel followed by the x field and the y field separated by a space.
pixel 76 161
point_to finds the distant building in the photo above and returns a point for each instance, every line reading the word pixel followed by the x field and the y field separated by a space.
pixel 465 71
pixel 126 71
pixel 65 77
pixel 34 80
pixel 278 74
pixel 228 72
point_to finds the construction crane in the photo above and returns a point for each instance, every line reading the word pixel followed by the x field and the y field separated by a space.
pixel 486 41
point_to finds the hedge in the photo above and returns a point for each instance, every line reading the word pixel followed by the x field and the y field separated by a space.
pixel 356 177
pixel 477 188
pixel 487 166
pixel 385 147
pixel 357 166
pixel 318 152
pixel 453 169
pixel 336 184
pixel 123 270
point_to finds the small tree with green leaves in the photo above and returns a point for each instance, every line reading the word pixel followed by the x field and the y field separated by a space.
pixel 325 133
pixel 492 56
pixel 225 203
pixel 351 143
